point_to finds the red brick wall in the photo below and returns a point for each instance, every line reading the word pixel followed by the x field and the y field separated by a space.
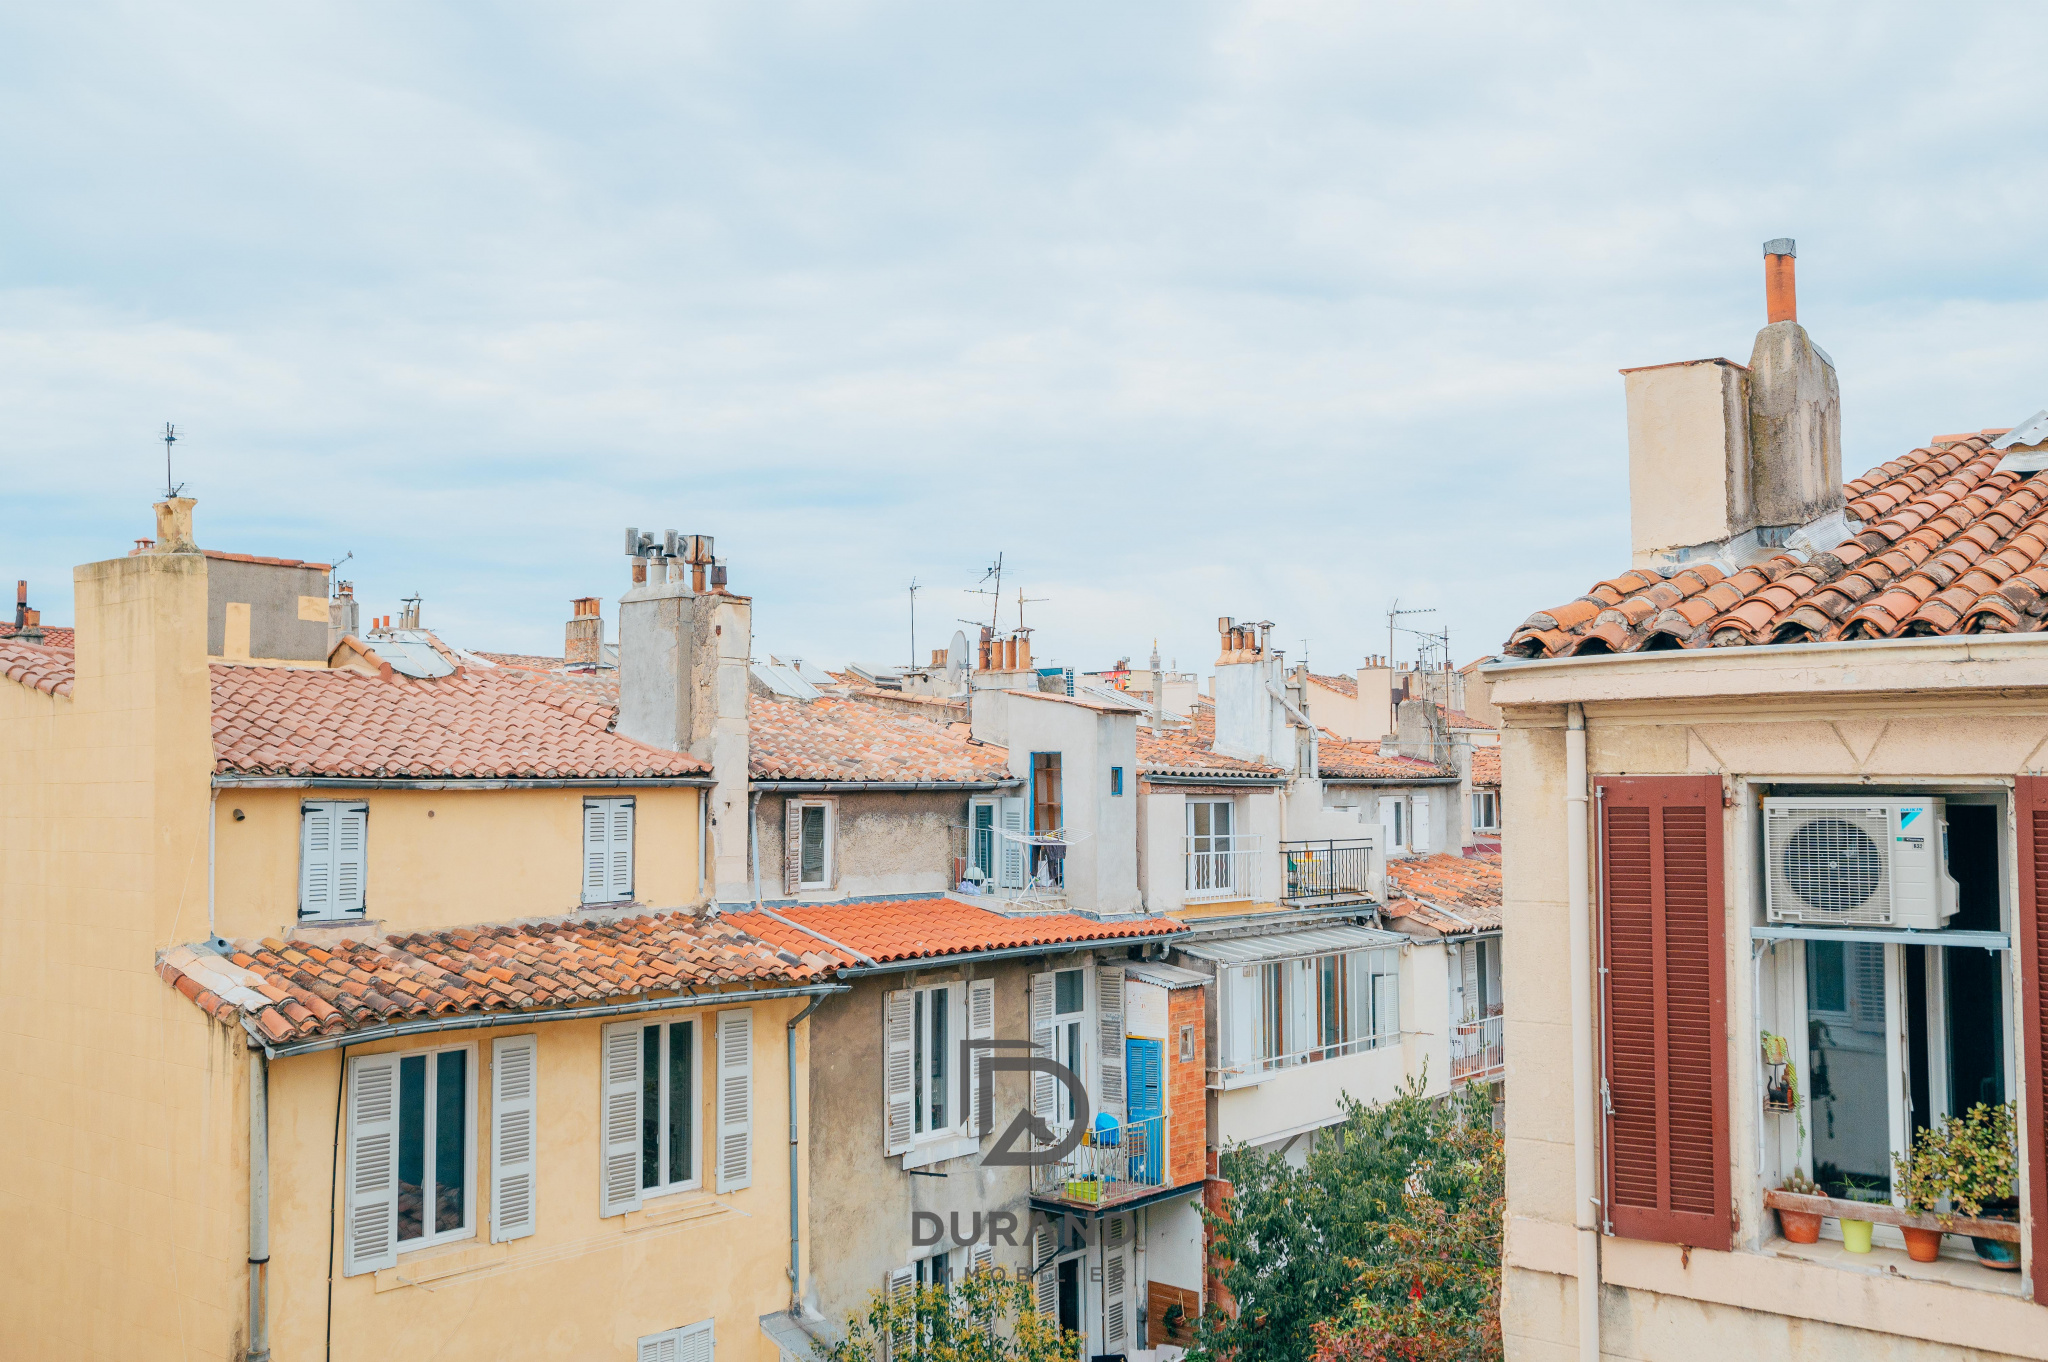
pixel 1187 1095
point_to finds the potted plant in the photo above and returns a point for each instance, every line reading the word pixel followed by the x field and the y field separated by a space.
pixel 1856 1233
pixel 1982 1152
pixel 1801 1227
pixel 1924 1176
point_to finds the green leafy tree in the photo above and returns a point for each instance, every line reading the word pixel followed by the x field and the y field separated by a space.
pixel 1326 1257
pixel 986 1316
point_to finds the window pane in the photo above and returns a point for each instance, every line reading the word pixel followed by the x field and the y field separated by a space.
pixel 1219 819
pixel 939 1059
pixel 813 865
pixel 650 1106
pixel 682 1053
pixel 917 1063
pixel 1824 984
pixel 412 1144
pixel 451 1130
pixel 1067 991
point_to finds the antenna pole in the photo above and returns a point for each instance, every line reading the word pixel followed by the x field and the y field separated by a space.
pixel 913 622
pixel 170 437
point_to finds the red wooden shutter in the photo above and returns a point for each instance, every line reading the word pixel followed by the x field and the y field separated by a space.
pixel 2032 920
pixel 1666 991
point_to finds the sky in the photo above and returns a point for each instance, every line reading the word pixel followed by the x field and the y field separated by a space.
pixel 1285 312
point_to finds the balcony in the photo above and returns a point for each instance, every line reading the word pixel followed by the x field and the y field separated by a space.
pixel 1477 1052
pixel 1109 1166
pixel 1328 871
pixel 1220 869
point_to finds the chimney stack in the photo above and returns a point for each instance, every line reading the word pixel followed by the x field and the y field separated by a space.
pixel 1726 461
pixel 21 603
pixel 583 640
pixel 1781 297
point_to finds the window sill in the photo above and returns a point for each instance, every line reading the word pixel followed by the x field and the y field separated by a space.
pixel 439 1262
pixel 938 1151
pixel 673 1208
pixel 1951 1269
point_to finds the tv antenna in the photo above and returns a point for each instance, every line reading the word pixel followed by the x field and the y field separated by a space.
pixel 170 437
pixel 914 589
pixel 1022 601
pixel 994 572
pixel 1394 612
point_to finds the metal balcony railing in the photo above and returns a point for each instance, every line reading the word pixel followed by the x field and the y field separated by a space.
pixel 1221 868
pixel 1328 870
pixel 1109 1165
pixel 1477 1052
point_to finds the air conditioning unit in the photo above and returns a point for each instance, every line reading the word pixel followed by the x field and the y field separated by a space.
pixel 1857 863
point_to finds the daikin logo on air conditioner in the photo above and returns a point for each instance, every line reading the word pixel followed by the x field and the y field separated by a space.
pixel 1845 862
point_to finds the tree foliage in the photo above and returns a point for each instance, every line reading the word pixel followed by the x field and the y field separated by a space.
pixel 985 1316
pixel 1386 1246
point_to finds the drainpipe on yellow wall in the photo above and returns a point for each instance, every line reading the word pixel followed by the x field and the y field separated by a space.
pixel 796 1281
pixel 212 812
pixel 259 1208
pixel 1585 1213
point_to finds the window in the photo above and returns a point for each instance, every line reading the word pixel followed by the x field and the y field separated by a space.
pixel 1187 1043
pixel 933 1031
pixel 333 858
pixel 1394 822
pixel 936 1270
pixel 668 1107
pixel 1280 1013
pixel 1486 810
pixel 1116 781
pixel 1211 868
pixel 410 1145
pixel 807 845
pixel 981 850
pixel 691 1343
pixel 1048 816
pixel 1070 1030
pixel 607 850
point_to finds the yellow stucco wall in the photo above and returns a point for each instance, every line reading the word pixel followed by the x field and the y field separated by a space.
pixel 121 1108
pixel 444 858
pixel 1968 713
pixel 581 1286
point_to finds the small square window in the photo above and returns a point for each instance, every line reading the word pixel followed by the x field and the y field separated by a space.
pixel 1067 995
pixel 1187 1043
pixel 1116 780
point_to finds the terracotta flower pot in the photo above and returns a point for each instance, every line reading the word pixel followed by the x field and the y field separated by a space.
pixel 1801 1227
pixel 1922 1246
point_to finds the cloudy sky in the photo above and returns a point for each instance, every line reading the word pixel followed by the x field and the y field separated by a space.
pixel 1276 311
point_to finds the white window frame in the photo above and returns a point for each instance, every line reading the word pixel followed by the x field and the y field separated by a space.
pixel 468 1228
pixel 1486 811
pixel 1370 1018
pixel 1400 831
pixel 798 808
pixel 695 1021
pixel 1074 1044
pixel 922 1082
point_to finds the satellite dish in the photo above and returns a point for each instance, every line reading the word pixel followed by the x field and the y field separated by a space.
pixel 956 656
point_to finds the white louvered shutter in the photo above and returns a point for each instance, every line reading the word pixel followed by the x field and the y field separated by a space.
pixel 1043 1045
pixel 1468 980
pixel 898 1023
pixel 316 860
pixel 1010 858
pixel 619 850
pixel 792 845
pixel 1490 975
pixel 371 1231
pixel 1116 1254
pixel 351 857
pixel 1390 825
pixel 696 1342
pixel 981 1258
pixel 735 1099
pixel 514 1133
pixel 619 1189
pixel 1422 836
pixel 596 864
pixel 1045 1277
pixel 1109 1012
pixel 901 1284
pixel 665 1346
pixel 981 1025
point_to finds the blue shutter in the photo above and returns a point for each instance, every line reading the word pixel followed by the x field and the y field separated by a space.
pixel 1143 1060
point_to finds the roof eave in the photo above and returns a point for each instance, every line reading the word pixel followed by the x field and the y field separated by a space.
pixel 231 780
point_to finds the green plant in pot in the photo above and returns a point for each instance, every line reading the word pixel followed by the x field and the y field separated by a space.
pixel 1801 1227
pixel 1985 1161
pixel 1924 1177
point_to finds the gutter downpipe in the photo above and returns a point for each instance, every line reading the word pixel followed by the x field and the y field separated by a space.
pixel 754 843
pixel 1585 1217
pixel 259 1208
pixel 796 1281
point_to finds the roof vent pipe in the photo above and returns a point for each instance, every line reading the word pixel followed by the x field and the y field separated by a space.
pixel 1781 297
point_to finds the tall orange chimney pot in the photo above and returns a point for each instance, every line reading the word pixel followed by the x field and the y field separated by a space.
pixel 1781 296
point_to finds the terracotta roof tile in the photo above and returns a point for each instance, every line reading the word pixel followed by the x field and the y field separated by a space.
pixel 1343 685
pixel 1945 545
pixel 842 738
pixel 911 929
pixel 292 991
pixel 54 636
pixel 1486 767
pixel 476 724
pixel 1190 749
pixel 47 669
pixel 1449 895
pixel 1338 757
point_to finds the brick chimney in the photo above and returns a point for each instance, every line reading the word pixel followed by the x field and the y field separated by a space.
pixel 583 641
pixel 1726 461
